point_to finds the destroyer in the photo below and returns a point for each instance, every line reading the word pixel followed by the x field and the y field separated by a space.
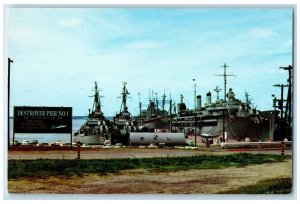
pixel 123 122
pixel 97 129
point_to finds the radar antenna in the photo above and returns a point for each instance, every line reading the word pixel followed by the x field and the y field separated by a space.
pixel 217 90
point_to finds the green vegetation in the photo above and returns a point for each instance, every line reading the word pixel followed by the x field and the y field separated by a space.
pixel 270 186
pixel 46 167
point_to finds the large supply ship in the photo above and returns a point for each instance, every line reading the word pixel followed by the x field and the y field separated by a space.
pixel 227 119
pixel 237 121
pixel 230 120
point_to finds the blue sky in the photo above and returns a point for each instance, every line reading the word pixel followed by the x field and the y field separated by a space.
pixel 58 53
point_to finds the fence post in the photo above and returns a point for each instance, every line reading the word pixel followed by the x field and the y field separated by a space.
pixel 207 143
pixel 282 147
pixel 78 151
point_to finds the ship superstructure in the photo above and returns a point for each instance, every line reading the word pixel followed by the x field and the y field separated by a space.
pixel 155 117
pixel 96 129
pixel 123 121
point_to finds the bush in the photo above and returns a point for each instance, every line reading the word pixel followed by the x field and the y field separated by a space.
pixel 42 167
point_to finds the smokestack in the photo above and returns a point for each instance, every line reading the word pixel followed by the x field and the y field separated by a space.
pixel 199 102
pixel 208 98
pixel 181 106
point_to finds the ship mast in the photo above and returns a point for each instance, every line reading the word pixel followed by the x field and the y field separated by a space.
pixel 156 100
pixel 163 101
pixel 195 97
pixel 248 102
pixel 97 104
pixel 124 97
pixel 225 83
pixel 170 113
pixel 96 109
pixel 140 104
pixel 225 75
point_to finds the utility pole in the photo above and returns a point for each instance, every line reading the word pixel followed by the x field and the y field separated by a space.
pixel 224 125
pixel 288 111
pixel 195 108
pixel 281 106
pixel 195 130
pixel 8 101
pixel 170 113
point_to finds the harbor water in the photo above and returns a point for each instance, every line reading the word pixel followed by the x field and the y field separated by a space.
pixel 47 137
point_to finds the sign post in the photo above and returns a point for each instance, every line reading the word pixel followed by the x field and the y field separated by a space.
pixel 8 101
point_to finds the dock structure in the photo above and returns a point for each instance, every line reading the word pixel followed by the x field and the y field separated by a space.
pixel 280 145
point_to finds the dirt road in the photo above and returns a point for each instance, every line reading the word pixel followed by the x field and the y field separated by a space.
pixel 99 153
pixel 141 181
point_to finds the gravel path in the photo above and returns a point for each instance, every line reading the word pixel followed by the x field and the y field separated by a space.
pixel 99 153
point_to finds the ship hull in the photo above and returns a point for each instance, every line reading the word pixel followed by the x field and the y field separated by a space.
pixel 253 128
pixel 90 139
pixel 156 123
pixel 242 128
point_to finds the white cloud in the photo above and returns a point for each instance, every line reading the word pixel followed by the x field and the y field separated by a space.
pixel 288 44
pixel 261 33
pixel 68 50
pixel 144 45
pixel 72 23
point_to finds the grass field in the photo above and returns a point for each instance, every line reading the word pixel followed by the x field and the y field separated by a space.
pixel 270 186
pixel 46 167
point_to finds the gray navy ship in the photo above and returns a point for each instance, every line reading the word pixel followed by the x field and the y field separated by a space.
pixel 154 118
pixel 123 122
pixel 227 119
pixel 230 120
pixel 96 129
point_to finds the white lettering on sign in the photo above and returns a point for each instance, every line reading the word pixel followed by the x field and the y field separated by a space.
pixel 63 113
pixel 42 113
pixel 30 113
pixel 51 113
